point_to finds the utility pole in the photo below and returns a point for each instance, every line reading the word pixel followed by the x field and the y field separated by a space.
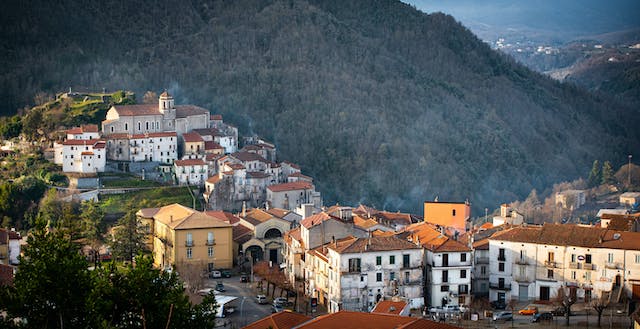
pixel 629 171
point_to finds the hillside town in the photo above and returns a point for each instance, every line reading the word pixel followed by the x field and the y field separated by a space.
pixel 262 220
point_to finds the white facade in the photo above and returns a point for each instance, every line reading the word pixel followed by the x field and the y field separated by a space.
pixel 448 277
pixel 191 172
pixel 291 195
pixel 83 156
pixel 160 147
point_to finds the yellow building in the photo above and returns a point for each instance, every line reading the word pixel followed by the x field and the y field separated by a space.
pixel 183 236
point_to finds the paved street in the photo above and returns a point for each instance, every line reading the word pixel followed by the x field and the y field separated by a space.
pixel 246 312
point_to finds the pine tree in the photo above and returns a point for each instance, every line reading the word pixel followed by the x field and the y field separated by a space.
pixel 607 173
pixel 129 237
pixel 594 175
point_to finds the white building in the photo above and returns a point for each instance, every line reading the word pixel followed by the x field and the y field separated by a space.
pixel 571 199
pixel 533 262
pixel 291 195
pixel 355 273
pixel 159 147
pixel 508 216
pixel 448 264
pixel 628 199
pixel 191 171
pixel 83 155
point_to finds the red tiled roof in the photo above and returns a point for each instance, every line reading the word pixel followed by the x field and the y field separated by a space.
pixel 86 153
pixel 389 307
pixel 358 320
pixel 280 320
pixel 223 215
pixel 191 138
pixel 216 117
pixel 248 156
pixel 207 132
pixel 214 179
pixel 211 145
pixel 88 142
pixel 189 162
pixel 257 174
pixel 138 109
pixel 372 244
pixel 290 186
pixel 147 212
pixel 241 233
pixel 152 135
pixel 83 129
pixel 293 165
pixel 183 111
pixel 316 219
pixel 100 145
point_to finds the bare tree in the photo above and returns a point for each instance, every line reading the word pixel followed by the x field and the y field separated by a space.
pixel 566 297
pixel 150 97
pixel 192 274
pixel 599 305
pixel 512 304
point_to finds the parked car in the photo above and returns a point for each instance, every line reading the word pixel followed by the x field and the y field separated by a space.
pixel 226 274
pixel 498 304
pixel 281 301
pixel 215 274
pixel 507 316
pixel 276 308
pixel 244 278
pixel 445 309
pixel 220 287
pixel 529 310
pixel 545 316
pixel 261 299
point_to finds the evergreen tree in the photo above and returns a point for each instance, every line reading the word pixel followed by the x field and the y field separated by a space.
pixel 129 237
pixel 92 217
pixel 607 173
pixel 594 175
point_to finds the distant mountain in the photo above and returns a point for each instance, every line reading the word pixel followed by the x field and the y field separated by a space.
pixel 379 102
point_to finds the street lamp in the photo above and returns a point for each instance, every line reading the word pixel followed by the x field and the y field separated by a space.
pixel 244 321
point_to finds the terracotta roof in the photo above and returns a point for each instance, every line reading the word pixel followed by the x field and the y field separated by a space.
pixel 293 165
pixel 138 109
pixel 223 216
pixel 358 320
pixel 373 244
pixel 211 145
pixel 207 132
pixel 394 217
pixel 214 179
pixel 278 212
pixel 431 238
pixel 183 111
pixel 152 135
pixel 294 234
pixel 364 222
pixel 83 129
pixel 235 166
pixel 256 216
pixel 571 235
pixel 389 307
pixel 88 142
pixel 481 244
pixel 147 212
pixel 216 117
pixel 100 144
pixel 290 186
pixel 316 219
pixel 189 162
pixel 486 225
pixel 241 233
pixel 177 216
pixel 621 223
pixel 248 156
pixel 280 320
pixel 299 175
pixel 86 153
pixel 192 138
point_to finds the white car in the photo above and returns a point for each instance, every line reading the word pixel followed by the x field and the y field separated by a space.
pixel 503 316
pixel 261 299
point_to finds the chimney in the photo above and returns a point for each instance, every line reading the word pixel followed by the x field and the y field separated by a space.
pixel 335 242
pixel 171 218
pixel 244 209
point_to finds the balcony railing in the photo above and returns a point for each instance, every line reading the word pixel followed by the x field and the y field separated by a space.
pixel 482 260
pixel 522 261
pixel 550 263
pixel 502 258
pixel 188 243
pixel 522 278
pixel 506 286
pixel 615 266
pixel 591 267
pixel 211 242
pixel 3 256
pixel 480 275
pixel 575 266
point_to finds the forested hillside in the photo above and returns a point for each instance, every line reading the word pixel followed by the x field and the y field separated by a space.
pixel 381 103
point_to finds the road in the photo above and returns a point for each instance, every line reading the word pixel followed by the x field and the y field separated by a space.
pixel 247 312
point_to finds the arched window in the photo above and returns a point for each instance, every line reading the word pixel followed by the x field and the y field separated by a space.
pixel 272 233
pixel 139 125
pixel 147 125
pixel 126 126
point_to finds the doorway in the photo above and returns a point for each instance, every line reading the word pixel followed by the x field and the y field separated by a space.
pixel 544 293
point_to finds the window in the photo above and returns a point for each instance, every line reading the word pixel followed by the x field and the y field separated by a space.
pixel 501 267
pixel 445 260
pixel 573 275
pixel 463 257
pixel 501 283
pixel 444 288
pixel 453 213
pixel 483 270
pixel 573 258
pixel 405 261
pixel 189 253
pixel 112 128
pixel 189 239
pixel 210 252
pixel 637 259
pixel 550 274
pixel 139 125
pixel 354 265
pixel 378 277
pixel 392 259
pixel 463 274
pixel 587 275
pixel 392 276
pixel 362 278
pixel 550 256
pixel 587 258
pixel 501 254
pixel 445 276
pixel 610 257
pixel 406 277
pixel 378 260
pixel 126 126
pixel 587 296
pixel 210 238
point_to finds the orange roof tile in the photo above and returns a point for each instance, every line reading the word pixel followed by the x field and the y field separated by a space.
pixel 358 320
pixel 280 320
pixel 389 307
pixel 316 219
pixel 189 162
pixel 290 186
pixel 375 243
pixel 192 138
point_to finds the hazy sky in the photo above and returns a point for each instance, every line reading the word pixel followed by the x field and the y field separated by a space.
pixel 570 18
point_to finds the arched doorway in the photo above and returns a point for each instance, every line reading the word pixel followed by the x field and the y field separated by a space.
pixel 254 253
pixel 618 281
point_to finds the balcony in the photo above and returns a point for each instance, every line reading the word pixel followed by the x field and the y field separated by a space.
pixel 211 242
pixel 522 261
pixel 522 278
pixel 3 256
pixel 590 267
pixel 482 260
pixel 188 243
pixel 575 266
pixel 497 286
pixel 550 263
pixel 502 258
pixel 613 266
pixel 481 275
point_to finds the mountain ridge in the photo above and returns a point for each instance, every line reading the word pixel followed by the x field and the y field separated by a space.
pixel 381 103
